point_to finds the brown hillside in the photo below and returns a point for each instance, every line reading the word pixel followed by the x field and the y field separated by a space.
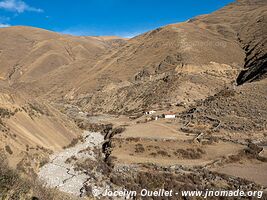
pixel 176 64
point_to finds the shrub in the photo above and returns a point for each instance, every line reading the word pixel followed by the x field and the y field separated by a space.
pixel 189 153
pixel 8 149
pixel 139 148
pixel 163 153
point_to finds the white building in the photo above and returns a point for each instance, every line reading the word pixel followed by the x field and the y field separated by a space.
pixel 150 112
pixel 169 116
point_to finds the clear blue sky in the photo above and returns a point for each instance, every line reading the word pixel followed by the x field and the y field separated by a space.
pixel 102 17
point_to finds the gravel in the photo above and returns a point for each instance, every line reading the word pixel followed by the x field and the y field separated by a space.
pixel 59 174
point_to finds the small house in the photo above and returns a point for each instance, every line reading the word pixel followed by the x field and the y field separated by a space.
pixel 169 116
pixel 150 112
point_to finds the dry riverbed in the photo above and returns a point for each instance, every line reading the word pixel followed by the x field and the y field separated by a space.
pixel 61 174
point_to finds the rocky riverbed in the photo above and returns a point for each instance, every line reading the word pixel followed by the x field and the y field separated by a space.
pixel 63 174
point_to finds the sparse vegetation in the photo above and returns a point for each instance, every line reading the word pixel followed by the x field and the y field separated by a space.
pixel 163 153
pixel 192 69
pixel 85 165
pixel 6 113
pixel 139 148
pixel 152 177
pixel 189 153
pixel 74 142
pixel 43 161
pixel 71 159
pixel 8 149
pixel 13 186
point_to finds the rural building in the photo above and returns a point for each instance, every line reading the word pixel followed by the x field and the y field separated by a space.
pixel 150 112
pixel 169 116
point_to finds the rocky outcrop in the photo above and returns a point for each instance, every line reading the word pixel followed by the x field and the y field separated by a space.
pixel 253 39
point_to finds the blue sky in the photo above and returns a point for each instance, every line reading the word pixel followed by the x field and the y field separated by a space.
pixel 124 18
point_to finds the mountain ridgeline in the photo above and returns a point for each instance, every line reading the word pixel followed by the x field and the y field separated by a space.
pixel 180 63
pixel 227 46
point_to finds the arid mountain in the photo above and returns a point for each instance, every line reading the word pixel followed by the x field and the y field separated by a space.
pixel 177 63
pixel 209 70
pixel 37 57
pixel 244 20
pixel 224 42
pixel 184 62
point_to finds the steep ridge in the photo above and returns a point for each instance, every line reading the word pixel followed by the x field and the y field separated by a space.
pixel 182 62
pixel 32 127
pixel 253 38
pixel 246 21
pixel 224 37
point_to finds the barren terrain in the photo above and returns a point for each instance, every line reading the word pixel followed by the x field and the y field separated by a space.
pixel 202 81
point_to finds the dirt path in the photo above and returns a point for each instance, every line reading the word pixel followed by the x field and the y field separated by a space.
pixel 61 174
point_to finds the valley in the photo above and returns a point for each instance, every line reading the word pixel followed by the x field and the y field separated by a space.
pixel 181 107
